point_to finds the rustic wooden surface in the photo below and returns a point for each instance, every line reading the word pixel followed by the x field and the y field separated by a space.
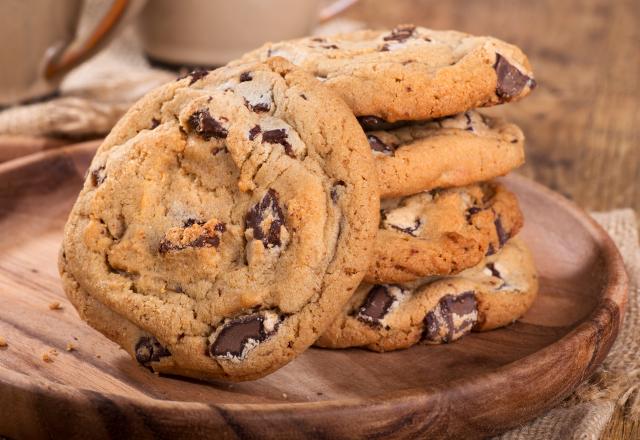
pixel 583 122
pixel 461 388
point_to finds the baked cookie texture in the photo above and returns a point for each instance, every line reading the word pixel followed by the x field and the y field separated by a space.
pixel 224 222
pixel 410 72
pixel 436 310
pixel 447 152
pixel 442 232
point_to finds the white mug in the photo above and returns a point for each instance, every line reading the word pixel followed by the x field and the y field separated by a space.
pixel 36 48
pixel 214 32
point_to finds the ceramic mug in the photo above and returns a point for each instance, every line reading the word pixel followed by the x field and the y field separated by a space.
pixel 213 32
pixel 37 51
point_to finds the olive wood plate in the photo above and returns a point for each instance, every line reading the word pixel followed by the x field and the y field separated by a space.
pixel 478 386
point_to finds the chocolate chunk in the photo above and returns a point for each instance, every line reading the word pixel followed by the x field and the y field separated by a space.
pixel 490 250
pixel 377 144
pixel 453 317
pixel 401 33
pixel 494 272
pixel 255 131
pixel 278 136
pixel 329 46
pixel 510 80
pixel 177 240
pixel 384 48
pixel 154 123
pixel 334 190
pixel 376 305
pixel 98 176
pixel 266 218
pixel 206 126
pixel 471 212
pixel 246 76
pixel 469 122
pixel 259 107
pixel 149 349
pixel 196 74
pixel 192 221
pixel 237 333
pixel 319 39
pixel 503 236
pixel 373 123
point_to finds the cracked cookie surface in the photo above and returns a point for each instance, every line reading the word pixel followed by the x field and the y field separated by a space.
pixel 410 72
pixel 224 222
pixel 387 317
pixel 441 153
pixel 442 232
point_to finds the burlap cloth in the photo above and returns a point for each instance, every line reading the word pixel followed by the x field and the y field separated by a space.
pixel 95 95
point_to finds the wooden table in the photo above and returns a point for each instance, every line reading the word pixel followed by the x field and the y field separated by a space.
pixel 583 122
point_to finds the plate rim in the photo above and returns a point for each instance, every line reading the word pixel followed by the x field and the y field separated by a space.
pixel 615 292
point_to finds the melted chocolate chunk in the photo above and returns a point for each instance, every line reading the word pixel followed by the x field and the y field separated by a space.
pixel 233 338
pixel 148 349
pixel 278 136
pixel 373 123
pixel 246 76
pixel 266 218
pixel 471 212
pixel 208 238
pixel 260 107
pixel 98 176
pixel 377 145
pixel 196 74
pixel 206 126
pixel 376 305
pixel 319 39
pixel 494 272
pixel 510 80
pixel 255 131
pixel 503 236
pixel 469 122
pixel 334 190
pixel 400 33
pixel 154 123
pixel 440 324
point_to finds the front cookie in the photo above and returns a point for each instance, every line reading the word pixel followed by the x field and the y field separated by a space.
pixel 226 220
pixel 442 232
pixel 410 72
pixel 442 153
pixel 387 317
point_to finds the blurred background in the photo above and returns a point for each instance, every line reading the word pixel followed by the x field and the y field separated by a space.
pixel 581 123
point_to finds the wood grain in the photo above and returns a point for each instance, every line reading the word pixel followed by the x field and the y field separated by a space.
pixel 583 122
pixel 481 385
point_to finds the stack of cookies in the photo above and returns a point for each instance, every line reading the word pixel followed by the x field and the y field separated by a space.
pixel 334 191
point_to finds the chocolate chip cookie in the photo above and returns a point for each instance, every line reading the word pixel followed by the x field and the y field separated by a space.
pixel 440 153
pixel 442 232
pixel 387 317
pixel 224 222
pixel 410 72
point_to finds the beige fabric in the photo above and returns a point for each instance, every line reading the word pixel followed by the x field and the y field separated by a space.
pixel 586 413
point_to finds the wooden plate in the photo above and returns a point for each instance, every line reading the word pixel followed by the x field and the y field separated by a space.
pixel 481 385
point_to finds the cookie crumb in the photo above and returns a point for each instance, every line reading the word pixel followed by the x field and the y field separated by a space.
pixel 55 305
pixel 3 342
pixel 49 355
pixel 70 347
pixel 284 395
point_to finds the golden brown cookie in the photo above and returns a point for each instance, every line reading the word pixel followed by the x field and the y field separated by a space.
pixel 224 222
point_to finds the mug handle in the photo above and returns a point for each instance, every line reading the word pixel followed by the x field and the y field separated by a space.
pixel 65 60
pixel 335 8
